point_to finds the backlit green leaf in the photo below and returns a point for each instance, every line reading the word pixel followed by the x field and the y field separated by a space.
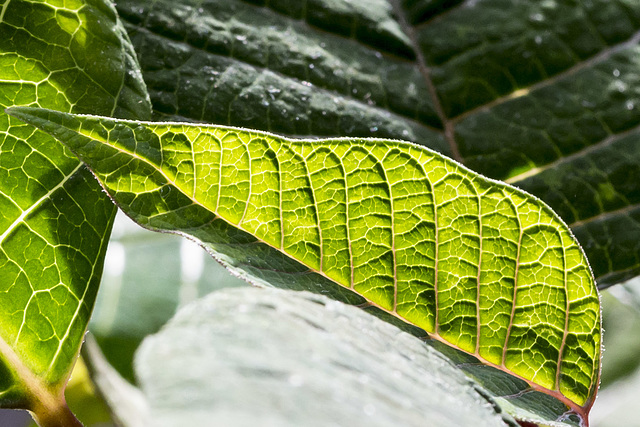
pixel 54 219
pixel 476 263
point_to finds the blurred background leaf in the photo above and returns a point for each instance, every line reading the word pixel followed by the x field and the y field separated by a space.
pixel 148 276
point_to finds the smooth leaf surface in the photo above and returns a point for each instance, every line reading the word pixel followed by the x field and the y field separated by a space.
pixel 542 93
pixel 147 277
pixel 476 263
pixel 54 219
pixel 318 361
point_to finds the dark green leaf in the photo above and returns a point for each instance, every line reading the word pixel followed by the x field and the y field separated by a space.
pixel 545 94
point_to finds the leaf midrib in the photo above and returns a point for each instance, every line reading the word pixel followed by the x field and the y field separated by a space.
pixel 33 387
pixel 450 123
pixel 4 9
pixel 421 62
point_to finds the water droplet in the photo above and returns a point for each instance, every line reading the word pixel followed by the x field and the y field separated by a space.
pixel 312 66
pixel 536 17
pixel 630 105
pixel 538 39
pixel 296 380
pixel 369 409
pixel 210 70
pixel 405 133
pixel 373 128
pixel 620 85
pixel 616 72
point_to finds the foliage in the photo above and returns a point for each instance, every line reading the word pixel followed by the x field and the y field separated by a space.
pixel 55 220
pixel 541 94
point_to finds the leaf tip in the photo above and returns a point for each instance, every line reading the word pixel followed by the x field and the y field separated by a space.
pixel 56 123
pixel 35 116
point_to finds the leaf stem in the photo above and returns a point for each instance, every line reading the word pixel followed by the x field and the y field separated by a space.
pixel 54 414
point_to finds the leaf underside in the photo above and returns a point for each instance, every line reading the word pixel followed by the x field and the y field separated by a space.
pixel 476 263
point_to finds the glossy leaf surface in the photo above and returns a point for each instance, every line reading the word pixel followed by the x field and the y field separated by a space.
pixel 542 93
pixel 54 219
pixel 476 263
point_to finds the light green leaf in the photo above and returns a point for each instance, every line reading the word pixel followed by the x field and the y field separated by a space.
pixel 54 219
pixel 319 362
pixel 476 263
pixel 544 93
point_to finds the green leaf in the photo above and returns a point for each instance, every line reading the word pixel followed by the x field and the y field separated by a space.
pixel 476 263
pixel 545 94
pixel 319 362
pixel 54 219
